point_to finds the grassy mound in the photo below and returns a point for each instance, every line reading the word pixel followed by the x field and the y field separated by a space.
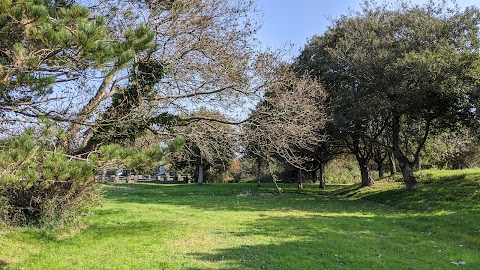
pixel 445 201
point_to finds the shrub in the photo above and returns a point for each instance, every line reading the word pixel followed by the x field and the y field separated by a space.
pixel 42 187
pixel 343 170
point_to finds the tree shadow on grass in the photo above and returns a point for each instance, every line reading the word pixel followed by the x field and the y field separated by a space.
pixel 446 194
pixel 222 197
pixel 430 206
pixel 436 207
pixel 449 193
pixel 331 242
pixel 131 229
pixel 3 264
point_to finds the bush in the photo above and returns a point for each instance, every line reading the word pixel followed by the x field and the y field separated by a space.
pixel 452 149
pixel 343 170
pixel 42 187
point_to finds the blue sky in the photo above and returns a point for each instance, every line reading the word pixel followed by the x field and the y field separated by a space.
pixel 293 22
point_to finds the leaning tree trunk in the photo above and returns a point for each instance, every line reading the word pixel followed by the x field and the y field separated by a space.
pixel 407 170
pixel 365 172
pixel 321 176
pixel 408 177
pixel 200 174
pixel 299 179
pixel 87 111
pixel 405 165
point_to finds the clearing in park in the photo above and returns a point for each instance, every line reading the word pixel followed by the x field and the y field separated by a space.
pixel 241 226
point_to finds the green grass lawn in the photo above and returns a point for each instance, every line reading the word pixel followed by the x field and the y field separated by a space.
pixel 240 226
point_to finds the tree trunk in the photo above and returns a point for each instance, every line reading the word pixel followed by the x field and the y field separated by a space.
pixel 365 172
pixel 380 168
pixel 87 111
pixel 408 177
pixel 104 173
pixel 405 165
pixel 321 176
pixel 259 174
pixel 200 173
pixel 393 167
pixel 299 179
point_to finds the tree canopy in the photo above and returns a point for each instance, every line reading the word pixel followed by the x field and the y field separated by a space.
pixel 378 82
pixel 411 67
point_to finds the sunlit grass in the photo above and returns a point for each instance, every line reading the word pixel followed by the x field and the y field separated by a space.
pixel 240 226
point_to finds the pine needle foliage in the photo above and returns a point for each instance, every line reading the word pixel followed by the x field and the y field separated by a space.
pixel 41 186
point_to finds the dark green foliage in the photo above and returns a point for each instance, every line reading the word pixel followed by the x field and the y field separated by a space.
pixel 405 71
pixel 150 73
pixel 42 187
pixel 143 161
pixel 146 75
pixel 138 39
pixel 128 116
